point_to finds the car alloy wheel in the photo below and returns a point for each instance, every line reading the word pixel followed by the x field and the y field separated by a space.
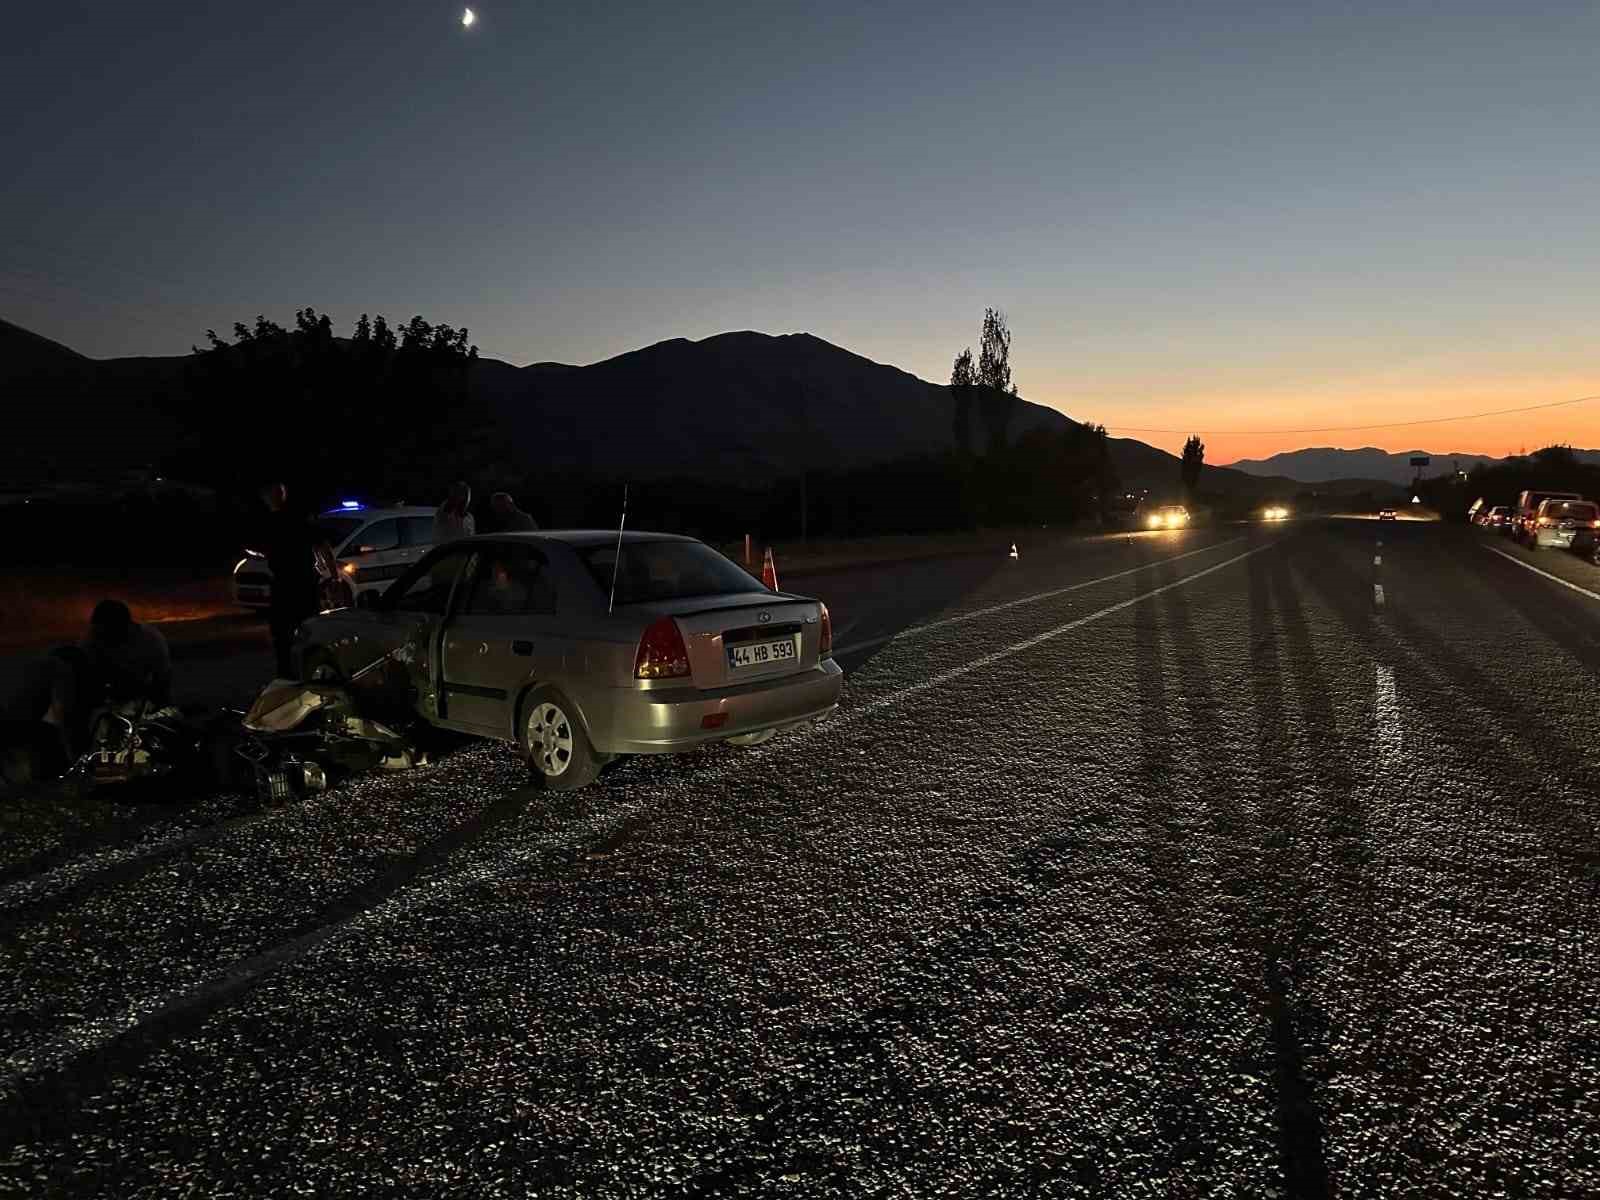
pixel 550 740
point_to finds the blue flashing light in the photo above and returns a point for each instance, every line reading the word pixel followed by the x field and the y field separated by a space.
pixel 349 504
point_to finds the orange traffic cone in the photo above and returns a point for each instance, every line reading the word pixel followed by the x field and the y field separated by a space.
pixel 769 571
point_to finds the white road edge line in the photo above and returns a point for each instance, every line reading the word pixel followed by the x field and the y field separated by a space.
pixel 89 1036
pixel 1377 560
pixel 1563 582
pixel 53 879
pixel 915 630
pixel 1028 643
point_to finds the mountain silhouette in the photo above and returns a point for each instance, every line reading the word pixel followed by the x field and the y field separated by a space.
pixel 1321 464
pixel 742 406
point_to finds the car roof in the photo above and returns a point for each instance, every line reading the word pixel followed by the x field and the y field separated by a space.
pixel 369 513
pixel 582 539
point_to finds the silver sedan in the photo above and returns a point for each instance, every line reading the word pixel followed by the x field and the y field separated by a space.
pixel 554 642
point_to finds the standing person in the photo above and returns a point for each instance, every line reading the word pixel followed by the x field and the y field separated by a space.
pixel 453 518
pixel 508 518
pixel 292 548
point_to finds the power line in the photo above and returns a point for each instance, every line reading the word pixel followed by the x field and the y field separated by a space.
pixel 1499 412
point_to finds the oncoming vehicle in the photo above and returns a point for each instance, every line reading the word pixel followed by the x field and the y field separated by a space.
pixel 1563 523
pixel 1388 514
pixel 1526 511
pixel 373 548
pixel 1168 516
pixel 1275 512
pixel 548 641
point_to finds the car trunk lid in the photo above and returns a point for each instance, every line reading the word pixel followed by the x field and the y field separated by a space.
pixel 758 635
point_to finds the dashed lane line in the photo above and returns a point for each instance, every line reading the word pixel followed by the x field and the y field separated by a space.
pixel 1566 583
pixel 1386 711
pixel 1377 594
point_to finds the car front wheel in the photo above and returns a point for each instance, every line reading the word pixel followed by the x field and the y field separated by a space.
pixel 555 744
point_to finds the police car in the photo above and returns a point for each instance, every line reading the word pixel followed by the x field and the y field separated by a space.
pixel 373 546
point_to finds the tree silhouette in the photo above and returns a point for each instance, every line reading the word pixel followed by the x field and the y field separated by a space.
pixel 377 413
pixel 1194 457
pixel 962 380
pixel 998 395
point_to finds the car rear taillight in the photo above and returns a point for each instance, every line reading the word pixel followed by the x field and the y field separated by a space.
pixel 825 643
pixel 662 654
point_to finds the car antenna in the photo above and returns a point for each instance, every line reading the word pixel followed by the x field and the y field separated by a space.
pixel 617 561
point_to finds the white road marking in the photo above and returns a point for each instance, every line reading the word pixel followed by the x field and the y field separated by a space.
pixel 55 879
pixel 1563 582
pixel 1386 712
pixel 1377 560
pixel 915 630
pixel 1028 643
pixel 1377 594
pixel 90 1036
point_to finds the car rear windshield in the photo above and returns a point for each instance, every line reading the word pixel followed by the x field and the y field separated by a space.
pixel 653 571
pixel 1569 510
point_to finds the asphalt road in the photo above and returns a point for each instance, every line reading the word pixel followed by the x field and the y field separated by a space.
pixel 1242 862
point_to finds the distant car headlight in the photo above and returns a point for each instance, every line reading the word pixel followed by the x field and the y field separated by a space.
pixel 1155 521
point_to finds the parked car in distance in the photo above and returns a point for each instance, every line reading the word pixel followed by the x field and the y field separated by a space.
pixel 552 642
pixel 1562 523
pixel 1527 508
pixel 372 546
pixel 1496 517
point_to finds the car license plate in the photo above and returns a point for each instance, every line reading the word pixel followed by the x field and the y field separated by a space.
pixel 763 654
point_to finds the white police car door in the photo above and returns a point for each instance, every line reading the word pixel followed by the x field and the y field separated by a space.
pixel 416 537
pixel 377 555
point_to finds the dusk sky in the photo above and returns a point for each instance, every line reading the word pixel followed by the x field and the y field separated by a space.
pixel 1223 217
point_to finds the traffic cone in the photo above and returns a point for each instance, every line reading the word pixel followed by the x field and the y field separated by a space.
pixel 769 571
pixel 1013 550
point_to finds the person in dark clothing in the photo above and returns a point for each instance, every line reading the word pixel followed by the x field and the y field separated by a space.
pixel 127 660
pixel 292 546
pixel 44 726
pixel 507 517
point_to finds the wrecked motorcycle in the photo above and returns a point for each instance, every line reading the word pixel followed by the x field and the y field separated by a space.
pixel 297 735
pixel 137 742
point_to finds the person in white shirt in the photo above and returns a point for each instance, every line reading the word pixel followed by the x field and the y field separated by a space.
pixel 453 518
